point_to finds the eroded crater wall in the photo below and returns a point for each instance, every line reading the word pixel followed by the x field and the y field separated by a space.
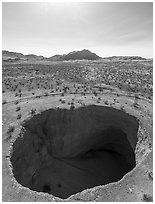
pixel 62 126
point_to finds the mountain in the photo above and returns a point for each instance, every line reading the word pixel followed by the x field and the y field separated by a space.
pixel 76 55
pixel 13 55
pixel 84 54
pixel 16 56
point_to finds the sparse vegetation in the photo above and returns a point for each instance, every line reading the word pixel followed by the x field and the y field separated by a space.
pixel 33 111
pixel 10 129
pixel 19 116
pixel 46 94
pixel 106 102
pixel 63 101
pixel 18 109
pixel 135 105
pixel 123 76
pixel 16 102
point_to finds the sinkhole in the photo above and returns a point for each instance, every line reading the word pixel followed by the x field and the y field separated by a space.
pixel 62 152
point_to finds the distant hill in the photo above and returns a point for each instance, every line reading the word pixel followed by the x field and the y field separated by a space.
pixel 16 56
pixel 56 58
pixel 84 54
pixel 125 58
pixel 12 55
pixel 32 56
pixel 76 55
pixel 8 56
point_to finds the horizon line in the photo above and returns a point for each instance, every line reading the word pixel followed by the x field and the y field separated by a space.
pixel 77 51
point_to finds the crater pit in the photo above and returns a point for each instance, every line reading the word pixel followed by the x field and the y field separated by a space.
pixel 62 152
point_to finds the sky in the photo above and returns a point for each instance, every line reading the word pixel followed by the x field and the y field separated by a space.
pixel 108 29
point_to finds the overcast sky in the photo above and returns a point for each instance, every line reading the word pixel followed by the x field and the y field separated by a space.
pixel 107 29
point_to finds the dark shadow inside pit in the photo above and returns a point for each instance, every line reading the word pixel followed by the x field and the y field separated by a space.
pixel 64 151
pixel 46 189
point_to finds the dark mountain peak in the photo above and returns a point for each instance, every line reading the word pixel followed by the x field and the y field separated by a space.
pixel 85 50
pixel 83 54
pixel 76 55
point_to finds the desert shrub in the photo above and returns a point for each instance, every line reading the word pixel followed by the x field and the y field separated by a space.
pixel 106 102
pixel 122 108
pixel 9 132
pixel 33 111
pixel 95 94
pixel 46 94
pixel 8 137
pixel 3 91
pixel 4 102
pixel 137 97
pixel 150 175
pixel 16 94
pixel 135 105
pixel 72 107
pixel 19 116
pixel 11 129
pixel 37 96
pixel 18 109
pixel 63 101
pixel 16 102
